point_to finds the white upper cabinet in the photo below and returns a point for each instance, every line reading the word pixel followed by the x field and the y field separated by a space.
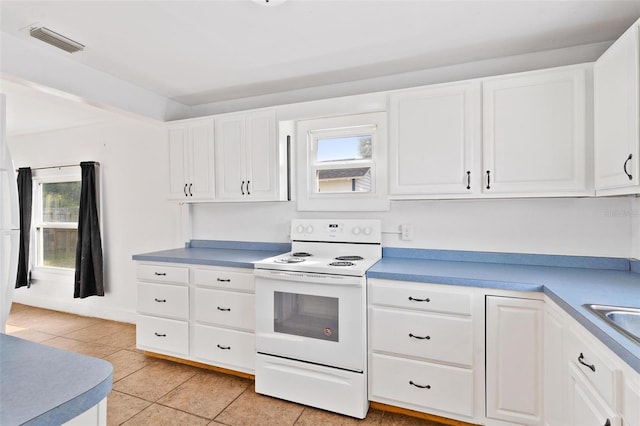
pixel 534 133
pixel 616 117
pixel 517 135
pixel 433 133
pixel 248 157
pixel 191 160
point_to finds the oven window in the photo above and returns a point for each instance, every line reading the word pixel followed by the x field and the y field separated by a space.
pixel 306 315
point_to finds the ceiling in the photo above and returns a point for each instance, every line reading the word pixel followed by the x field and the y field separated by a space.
pixel 198 52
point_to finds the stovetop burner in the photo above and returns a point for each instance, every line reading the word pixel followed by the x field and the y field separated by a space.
pixel 289 260
pixel 349 258
pixel 301 254
pixel 341 264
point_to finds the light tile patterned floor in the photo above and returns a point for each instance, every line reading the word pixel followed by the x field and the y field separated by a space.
pixel 150 391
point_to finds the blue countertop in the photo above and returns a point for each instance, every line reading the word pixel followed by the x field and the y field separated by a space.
pixel 41 385
pixel 217 253
pixel 570 281
pixel 569 287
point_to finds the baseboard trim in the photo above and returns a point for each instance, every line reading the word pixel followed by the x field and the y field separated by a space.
pixel 418 414
pixel 201 365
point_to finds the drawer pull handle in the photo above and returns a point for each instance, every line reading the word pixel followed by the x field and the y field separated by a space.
pixel 160 300
pixel 419 386
pixel 413 299
pixel 591 366
pixel 223 280
pixel 161 274
pixel 607 423
pixel 224 309
pixel 224 347
pixel 160 335
pixel 419 337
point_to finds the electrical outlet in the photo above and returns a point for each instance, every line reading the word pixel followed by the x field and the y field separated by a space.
pixel 406 232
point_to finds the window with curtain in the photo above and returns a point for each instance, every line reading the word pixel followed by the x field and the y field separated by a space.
pixel 55 219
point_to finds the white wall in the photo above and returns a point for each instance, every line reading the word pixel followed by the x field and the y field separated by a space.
pixel 136 216
pixel 569 226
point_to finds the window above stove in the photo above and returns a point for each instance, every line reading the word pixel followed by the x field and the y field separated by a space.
pixel 342 163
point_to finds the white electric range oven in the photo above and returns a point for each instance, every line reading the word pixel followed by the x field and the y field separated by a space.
pixel 311 338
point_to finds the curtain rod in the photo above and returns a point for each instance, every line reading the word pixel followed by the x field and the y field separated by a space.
pixel 60 167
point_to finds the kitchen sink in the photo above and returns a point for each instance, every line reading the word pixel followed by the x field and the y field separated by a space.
pixel 625 320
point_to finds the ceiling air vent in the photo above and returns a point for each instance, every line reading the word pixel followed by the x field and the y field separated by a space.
pixel 55 39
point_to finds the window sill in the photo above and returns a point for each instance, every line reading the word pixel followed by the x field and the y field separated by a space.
pixel 60 275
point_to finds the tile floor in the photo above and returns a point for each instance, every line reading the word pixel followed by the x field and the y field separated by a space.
pixel 150 391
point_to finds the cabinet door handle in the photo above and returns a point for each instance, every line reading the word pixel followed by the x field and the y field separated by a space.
pixel 624 166
pixel 413 299
pixel 190 193
pixel 468 179
pixel 488 179
pixel 419 386
pixel 223 280
pixel 607 423
pixel 248 182
pixel 242 187
pixel 160 274
pixel 591 366
pixel 185 190
pixel 160 335
pixel 419 337
pixel 226 348
pixel 160 300
pixel 224 309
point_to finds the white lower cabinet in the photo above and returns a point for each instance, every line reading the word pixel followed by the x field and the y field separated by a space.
pixel 586 407
pixel 514 348
pixel 163 335
pixel 423 344
pixel 197 313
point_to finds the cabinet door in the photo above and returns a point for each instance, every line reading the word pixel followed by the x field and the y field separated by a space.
pixel 514 359
pixel 555 369
pixel 178 175
pixel 201 183
pixel 616 114
pixel 261 156
pixel 433 132
pixel 534 133
pixel 585 406
pixel 230 173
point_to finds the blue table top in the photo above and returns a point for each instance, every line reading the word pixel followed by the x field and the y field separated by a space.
pixel 569 287
pixel 41 385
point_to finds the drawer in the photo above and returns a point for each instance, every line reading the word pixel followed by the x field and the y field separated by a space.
pixel 225 308
pixel 164 300
pixel 222 278
pixel 162 335
pixel 163 274
pixel 226 348
pixel 598 371
pixel 425 297
pixel 420 385
pixel 430 336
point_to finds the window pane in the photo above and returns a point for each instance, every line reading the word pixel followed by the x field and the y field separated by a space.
pixel 344 149
pixel 59 247
pixel 60 201
pixel 353 179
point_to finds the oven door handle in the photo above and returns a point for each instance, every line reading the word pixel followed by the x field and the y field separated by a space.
pixel 308 277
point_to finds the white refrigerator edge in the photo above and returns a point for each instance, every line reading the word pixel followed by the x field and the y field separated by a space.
pixel 9 222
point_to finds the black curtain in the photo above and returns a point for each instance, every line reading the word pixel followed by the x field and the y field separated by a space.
pixel 89 269
pixel 25 200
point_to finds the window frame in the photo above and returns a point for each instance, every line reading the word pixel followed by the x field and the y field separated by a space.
pixel 308 132
pixel 40 177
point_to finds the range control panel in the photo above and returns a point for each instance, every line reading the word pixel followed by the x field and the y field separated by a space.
pixel 339 230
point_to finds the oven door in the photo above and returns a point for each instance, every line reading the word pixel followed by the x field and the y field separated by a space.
pixel 311 317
